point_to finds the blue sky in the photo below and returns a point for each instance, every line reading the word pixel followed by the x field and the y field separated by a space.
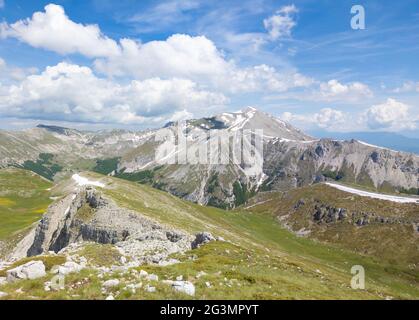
pixel 138 64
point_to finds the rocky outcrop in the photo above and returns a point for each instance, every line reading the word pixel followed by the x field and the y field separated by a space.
pixel 328 214
pixel 88 216
pixel 30 270
pixel 202 238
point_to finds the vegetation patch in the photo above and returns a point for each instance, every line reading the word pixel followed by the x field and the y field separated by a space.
pixel 44 166
pixel 143 177
pixel 334 175
pixel 25 197
pixel 106 166
pixel 412 191
pixel 241 193
pixel 101 254
pixel 85 213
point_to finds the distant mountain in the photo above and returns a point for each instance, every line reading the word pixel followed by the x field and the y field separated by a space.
pixel 290 158
pixel 383 139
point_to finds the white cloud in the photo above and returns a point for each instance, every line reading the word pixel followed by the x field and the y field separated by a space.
pixel 408 86
pixel 53 30
pixel 281 23
pixel 392 115
pixel 198 59
pixel 326 118
pixel 334 90
pixel 179 56
pixel 331 91
pixel 265 78
pixel 11 73
pixel 70 92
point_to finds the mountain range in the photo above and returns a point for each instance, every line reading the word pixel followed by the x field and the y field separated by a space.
pixel 289 159
pixel 388 140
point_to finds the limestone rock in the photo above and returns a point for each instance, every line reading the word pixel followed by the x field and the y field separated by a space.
pixel 69 267
pixel 30 270
pixel 111 283
pixel 202 238
pixel 184 286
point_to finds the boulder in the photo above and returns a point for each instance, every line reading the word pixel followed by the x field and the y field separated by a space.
pixel 69 267
pixel 184 286
pixel 111 283
pixel 143 273
pixel 152 277
pixel 150 289
pixel 202 238
pixel 30 270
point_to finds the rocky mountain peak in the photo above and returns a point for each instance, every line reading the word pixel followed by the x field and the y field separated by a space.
pixel 57 129
pixel 254 119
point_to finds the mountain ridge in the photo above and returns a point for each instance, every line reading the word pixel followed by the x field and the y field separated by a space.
pixel 290 158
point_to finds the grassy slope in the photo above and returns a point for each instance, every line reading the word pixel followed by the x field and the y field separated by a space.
pixel 23 200
pixel 268 243
pixel 263 261
pixel 394 243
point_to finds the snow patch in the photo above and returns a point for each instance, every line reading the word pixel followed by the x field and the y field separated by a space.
pixel 373 195
pixel 81 181
pixel 374 146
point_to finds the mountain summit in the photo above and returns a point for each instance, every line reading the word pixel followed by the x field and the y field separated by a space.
pixel 251 118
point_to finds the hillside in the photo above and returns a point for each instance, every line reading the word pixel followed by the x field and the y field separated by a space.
pixel 254 257
pixel 24 197
pixel 387 230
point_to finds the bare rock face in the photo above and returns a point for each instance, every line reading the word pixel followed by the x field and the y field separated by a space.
pixel 325 214
pixel 87 216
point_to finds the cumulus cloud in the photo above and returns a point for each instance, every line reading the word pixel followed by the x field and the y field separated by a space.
pixel 281 23
pixel 195 58
pixel 69 92
pixel 392 114
pixel 333 90
pixel 179 56
pixel 53 30
pixel 266 78
pixel 326 118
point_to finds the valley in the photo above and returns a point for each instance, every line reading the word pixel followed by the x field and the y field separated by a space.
pixel 256 255
pixel 96 209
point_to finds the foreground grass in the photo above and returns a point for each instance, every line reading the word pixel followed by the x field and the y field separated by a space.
pixel 219 270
